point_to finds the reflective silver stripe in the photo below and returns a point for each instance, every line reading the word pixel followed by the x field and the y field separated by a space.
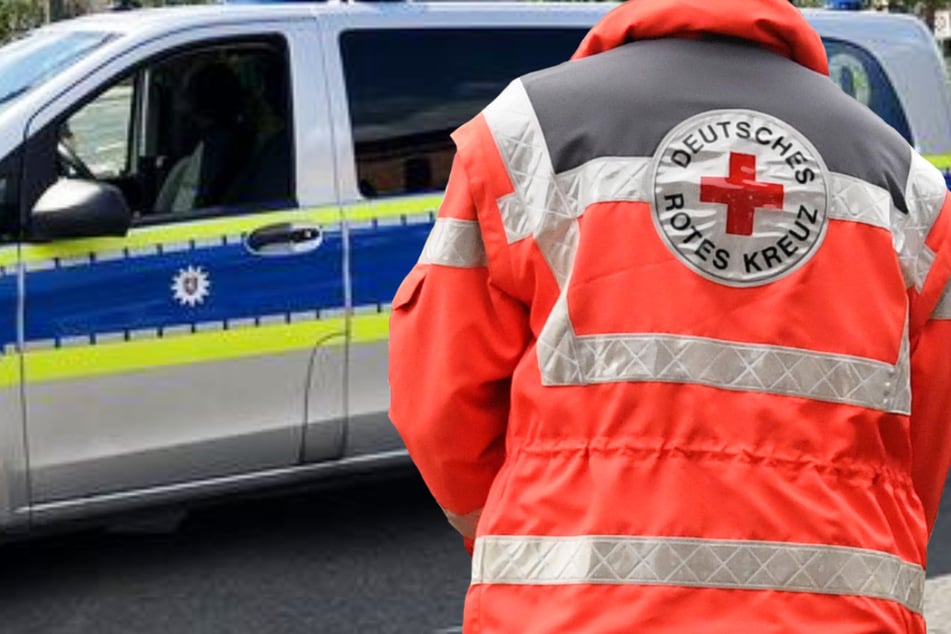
pixel 855 200
pixel 608 179
pixel 557 348
pixel 698 563
pixel 924 196
pixel 614 179
pixel 943 309
pixel 538 207
pixel 901 379
pixel 520 140
pixel 466 524
pixel 567 359
pixel 456 243
pixel 732 366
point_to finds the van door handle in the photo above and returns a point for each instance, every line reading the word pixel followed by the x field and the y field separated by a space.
pixel 285 238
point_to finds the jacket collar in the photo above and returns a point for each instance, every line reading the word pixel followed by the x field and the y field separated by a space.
pixel 773 24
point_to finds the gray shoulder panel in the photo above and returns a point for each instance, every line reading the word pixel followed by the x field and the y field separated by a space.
pixel 623 102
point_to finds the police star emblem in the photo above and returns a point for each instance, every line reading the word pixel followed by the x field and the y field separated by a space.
pixel 191 286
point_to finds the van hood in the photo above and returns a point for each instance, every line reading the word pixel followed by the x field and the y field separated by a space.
pixel 773 24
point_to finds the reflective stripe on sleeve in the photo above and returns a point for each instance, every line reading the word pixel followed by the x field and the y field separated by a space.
pixel 698 563
pixel 924 196
pixel 455 243
pixel 733 366
pixel 466 524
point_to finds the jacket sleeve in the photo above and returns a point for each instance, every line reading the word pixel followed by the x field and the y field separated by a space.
pixel 455 339
pixel 931 410
pixel 930 366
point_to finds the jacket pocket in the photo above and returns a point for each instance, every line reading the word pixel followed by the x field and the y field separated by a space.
pixel 408 291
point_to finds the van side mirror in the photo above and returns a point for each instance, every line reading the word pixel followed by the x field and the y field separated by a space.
pixel 79 209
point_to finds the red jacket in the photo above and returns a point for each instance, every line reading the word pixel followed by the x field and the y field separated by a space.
pixel 676 353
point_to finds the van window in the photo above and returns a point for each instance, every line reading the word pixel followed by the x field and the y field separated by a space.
pixel 862 77
pixel 409 89
pixel 204 132
pixel 221 130
pixel 99 134
pixel 28 62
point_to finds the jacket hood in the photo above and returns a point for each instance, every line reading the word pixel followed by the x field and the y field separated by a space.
pixel 773 24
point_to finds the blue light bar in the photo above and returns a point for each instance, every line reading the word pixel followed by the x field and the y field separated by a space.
pixel 845 5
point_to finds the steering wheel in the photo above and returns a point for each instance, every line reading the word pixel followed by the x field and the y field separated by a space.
pixel 71 165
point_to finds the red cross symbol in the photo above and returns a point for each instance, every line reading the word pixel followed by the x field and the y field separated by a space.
pixel 741 193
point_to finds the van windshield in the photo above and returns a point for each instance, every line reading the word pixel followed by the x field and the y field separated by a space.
pixel 28 62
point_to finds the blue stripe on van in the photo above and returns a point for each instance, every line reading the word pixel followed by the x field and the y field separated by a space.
pixel 135 293
pixel 9 292
pixel 380 257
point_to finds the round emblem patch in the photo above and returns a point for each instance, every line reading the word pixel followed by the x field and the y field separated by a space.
pixel 740 197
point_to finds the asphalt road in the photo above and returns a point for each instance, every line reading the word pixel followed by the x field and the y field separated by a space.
pixel 375 557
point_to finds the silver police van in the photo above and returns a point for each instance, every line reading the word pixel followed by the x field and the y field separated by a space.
pixel 205 212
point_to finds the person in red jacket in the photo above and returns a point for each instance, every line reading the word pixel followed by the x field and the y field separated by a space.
pixel 677 353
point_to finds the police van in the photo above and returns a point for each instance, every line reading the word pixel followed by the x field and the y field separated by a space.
pixel 205 212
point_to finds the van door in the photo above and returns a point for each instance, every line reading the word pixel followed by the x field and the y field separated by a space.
pixel 182 352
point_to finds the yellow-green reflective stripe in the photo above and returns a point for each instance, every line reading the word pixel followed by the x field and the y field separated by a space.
pixel 370 328
pixel 392 207
pixel 129 356
pixel 941 161
pixel 8 255
pixel 145 237
pixel 9 370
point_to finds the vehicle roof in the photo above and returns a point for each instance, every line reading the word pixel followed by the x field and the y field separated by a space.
pixel 188 15
pixel 864 28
